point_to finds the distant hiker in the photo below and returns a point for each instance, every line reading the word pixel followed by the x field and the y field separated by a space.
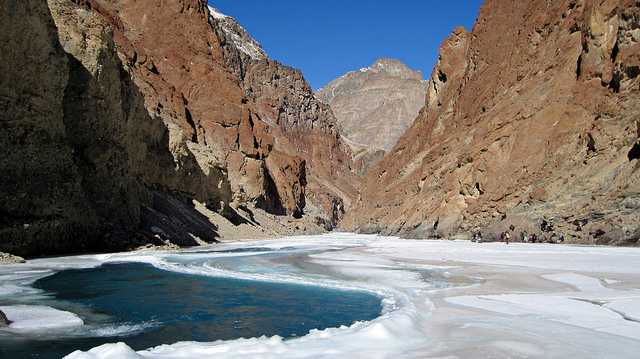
pixel 533 238
pixel 524 236
pixel 476 237
pixel 504 237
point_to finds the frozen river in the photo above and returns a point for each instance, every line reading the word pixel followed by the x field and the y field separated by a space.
pixel 441 299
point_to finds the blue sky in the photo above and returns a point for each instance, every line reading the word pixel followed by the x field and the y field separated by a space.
pixel 326 38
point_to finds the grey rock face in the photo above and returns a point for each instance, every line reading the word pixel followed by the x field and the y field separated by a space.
pixel 51 202
pixel 375 105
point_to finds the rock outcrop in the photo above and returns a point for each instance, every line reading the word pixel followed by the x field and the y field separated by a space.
pixel 3 320
pixel 303 126
pixel 126 123
pixel 530 124
pixel 7 258
pixel 374 107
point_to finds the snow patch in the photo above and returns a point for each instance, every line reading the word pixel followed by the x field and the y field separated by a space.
pixel 628 308
pixel 593 307
pixel 240 38
pixel 117 350
pixel 26 318
pixel 216 14
pixel 581 282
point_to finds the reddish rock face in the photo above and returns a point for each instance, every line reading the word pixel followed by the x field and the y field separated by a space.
pixel 302 126
pixel 177 61
pixel 120 114
pixel 141 113
pixel 532 115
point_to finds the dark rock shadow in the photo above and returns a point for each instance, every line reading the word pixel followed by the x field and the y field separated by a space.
pixel 634 152
pixel 173 217
pixel 102 177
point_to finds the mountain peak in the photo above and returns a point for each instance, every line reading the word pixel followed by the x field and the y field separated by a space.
pixel 235 33
pixel 394 68
pixel 375 105
pixel 216 14
pixel 386 63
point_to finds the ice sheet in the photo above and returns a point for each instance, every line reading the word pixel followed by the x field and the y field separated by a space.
pixel 567 311
pixel 628 308
pixel 38 318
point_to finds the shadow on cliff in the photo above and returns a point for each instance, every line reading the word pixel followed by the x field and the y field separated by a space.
pixel 88 168
pixel 128 172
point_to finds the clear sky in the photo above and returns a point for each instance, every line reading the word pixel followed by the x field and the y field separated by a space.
pixel 326 38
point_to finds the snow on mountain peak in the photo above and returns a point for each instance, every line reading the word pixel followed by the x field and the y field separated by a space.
pixel 215 13
pixel 235 33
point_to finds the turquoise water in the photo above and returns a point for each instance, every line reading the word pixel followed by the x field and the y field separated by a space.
pixel 164 307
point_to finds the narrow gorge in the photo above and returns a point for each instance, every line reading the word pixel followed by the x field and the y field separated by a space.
pixel 172 185
pixel 120 131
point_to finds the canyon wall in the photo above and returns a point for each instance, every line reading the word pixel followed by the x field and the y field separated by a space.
pixel 303 125
pixel 530 123
pixel 126 123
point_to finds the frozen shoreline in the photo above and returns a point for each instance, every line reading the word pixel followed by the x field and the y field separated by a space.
pixel 506 301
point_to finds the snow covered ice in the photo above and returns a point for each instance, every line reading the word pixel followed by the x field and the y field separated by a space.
pixel 36 317
pixel 451 299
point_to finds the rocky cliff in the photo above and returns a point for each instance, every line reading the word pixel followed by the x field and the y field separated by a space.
pixel 127 123
pixel 530 123
pixel 374 107
pixel 303 126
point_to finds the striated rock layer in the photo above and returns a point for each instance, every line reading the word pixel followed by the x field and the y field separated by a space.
pixel 126 123
pixel 374 107
pixel 531 121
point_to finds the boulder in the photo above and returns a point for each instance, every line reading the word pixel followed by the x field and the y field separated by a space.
pixel 6 258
